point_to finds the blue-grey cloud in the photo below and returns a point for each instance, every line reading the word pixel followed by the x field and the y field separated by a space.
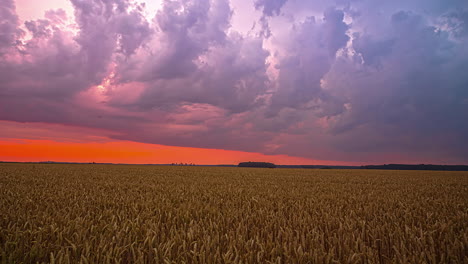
pixel 408 91
pixel 310 54
pixel 270 7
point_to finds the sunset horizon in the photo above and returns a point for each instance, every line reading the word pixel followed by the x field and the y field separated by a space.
pixel 67 144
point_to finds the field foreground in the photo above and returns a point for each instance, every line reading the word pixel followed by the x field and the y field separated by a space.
pixel 158 214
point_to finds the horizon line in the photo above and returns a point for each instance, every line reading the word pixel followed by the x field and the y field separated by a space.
pixel 194 164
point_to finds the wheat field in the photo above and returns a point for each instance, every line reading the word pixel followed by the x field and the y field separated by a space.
pixel 54 213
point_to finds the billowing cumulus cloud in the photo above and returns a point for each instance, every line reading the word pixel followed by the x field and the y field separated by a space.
pixel 8 25
pixel 310 52
pixel 342 80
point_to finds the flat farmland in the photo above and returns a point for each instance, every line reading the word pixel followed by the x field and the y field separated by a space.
pixel 57 213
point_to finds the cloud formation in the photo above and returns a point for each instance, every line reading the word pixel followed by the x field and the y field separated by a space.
pixel 8 25
pixel 332 80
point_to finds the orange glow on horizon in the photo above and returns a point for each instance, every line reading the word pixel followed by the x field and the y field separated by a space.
pixel 28 150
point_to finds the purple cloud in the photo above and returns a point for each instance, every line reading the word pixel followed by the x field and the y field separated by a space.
pixel 8 26
pixel 271 7
pixel 311 52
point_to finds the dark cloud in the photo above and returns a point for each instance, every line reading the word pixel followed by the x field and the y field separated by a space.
pixel 48 65
pixel 311 52
pixel 270 7
pixel 372 51
pixel 457 22
pixel 9 31
pixel 335 30
pixel 133 31
pixel 39 29
pixel 57 64
pixel 40 79
pixel 196 61
pixel 104 27
pixel 187 29
pixel 415 100
pixel 231 76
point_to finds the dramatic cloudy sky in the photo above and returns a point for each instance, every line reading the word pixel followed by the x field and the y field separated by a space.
pixel 292 81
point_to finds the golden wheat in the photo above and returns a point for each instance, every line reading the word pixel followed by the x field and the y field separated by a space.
pixel 158 214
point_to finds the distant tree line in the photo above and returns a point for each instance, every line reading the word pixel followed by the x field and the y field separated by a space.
pixel 313 167
pixel 183 164
pixel 417 167
pixel 257 164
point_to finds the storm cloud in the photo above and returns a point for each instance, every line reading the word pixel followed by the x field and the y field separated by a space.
pixel 342 80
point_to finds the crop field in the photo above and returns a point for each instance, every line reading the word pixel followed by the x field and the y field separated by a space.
pixel 54 213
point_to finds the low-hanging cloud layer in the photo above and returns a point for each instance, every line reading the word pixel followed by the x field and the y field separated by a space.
pixel 349 80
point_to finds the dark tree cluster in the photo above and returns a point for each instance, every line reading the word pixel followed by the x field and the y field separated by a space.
pixel 257 164
pixel 417 167
pixel 183 164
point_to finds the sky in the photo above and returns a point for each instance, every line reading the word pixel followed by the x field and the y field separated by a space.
pixel 223 81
